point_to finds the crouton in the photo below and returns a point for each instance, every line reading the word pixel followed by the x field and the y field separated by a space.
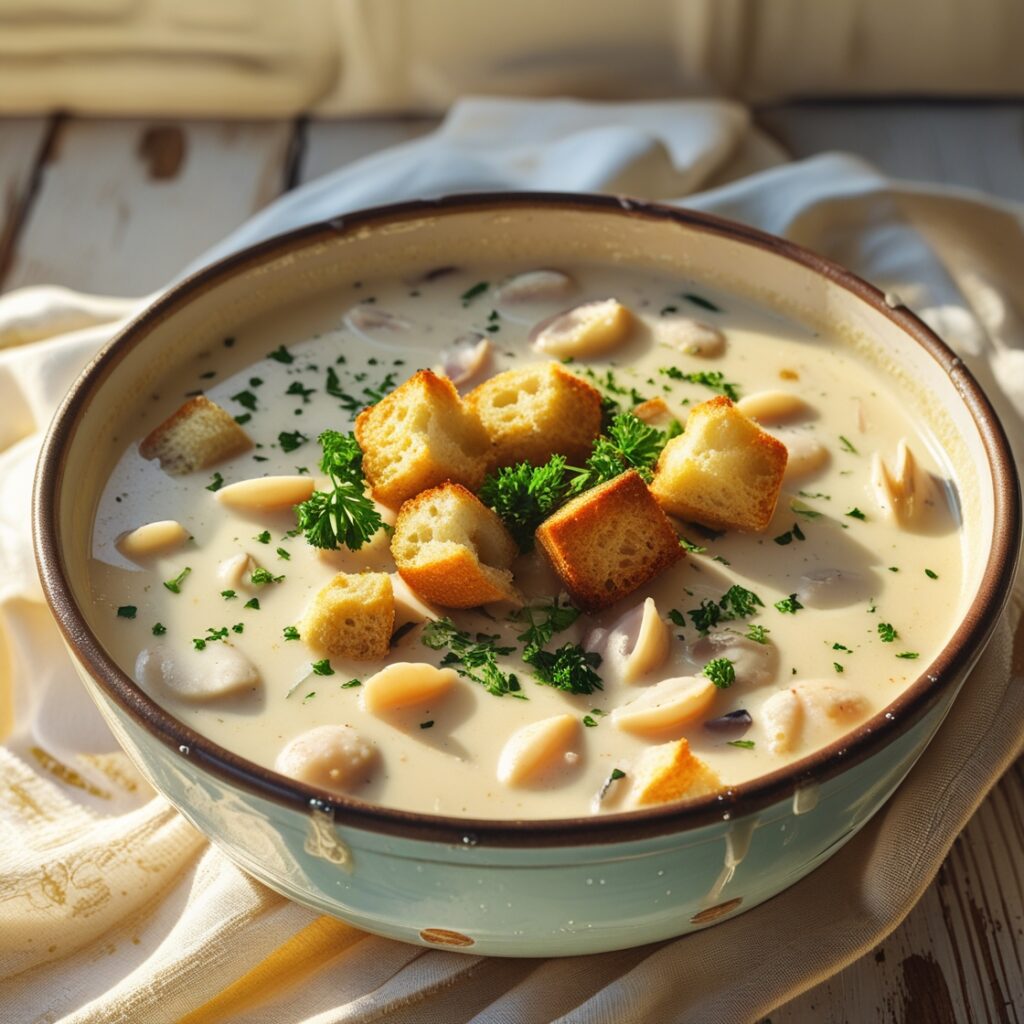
pixel 609 541
pixel 198 435
pixel 453 550
pixel 352 617
pixel 724 471
pixel 535 412
pixel 670 771
pixel 421 435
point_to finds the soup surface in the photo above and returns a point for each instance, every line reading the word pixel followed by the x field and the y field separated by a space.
pixel 830 612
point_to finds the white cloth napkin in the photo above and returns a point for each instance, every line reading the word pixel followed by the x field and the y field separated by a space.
pixel 113 909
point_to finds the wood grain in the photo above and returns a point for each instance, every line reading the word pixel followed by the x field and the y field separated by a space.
pixel 22 145
pixel 328 145
pixel 121 206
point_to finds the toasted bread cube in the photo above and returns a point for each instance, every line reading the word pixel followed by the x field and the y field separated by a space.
pixel 535 412
pixel 670 771
pixel 198 435
pixel 609 541
pixel 352 617
pixel 453 550
pixel 419 436
pixel 724 471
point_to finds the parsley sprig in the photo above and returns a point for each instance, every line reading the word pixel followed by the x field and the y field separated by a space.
pixel 629 444
pixel 474 658
pixel 524 496
pixel 570 668
pixel 344 515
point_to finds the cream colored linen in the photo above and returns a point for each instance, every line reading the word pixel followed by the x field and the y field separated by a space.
pixel 260 58
pixel 112 909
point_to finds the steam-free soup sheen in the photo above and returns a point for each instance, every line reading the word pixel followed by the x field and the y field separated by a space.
pixel 876 590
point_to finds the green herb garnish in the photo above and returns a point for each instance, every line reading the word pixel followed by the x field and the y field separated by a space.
pixel 174 586
pixel 323 667
pixel 570 668
pixel 471 293
pixel 291 633
pixel 759 634
pixel 909 655
pixel 474 658
pixel 283 553
pixel 887 632
pixel 254 603
pixel 261 576
pixel 847 445
pixel 281 354
pixel 127 611
pixel 263 538
pixel 524 496
pixel 721 672
pixel 713 379
pixel 628 444
pixel 351 684
pixel 693 549
pixel 789 605
pixel 739 603
pixel 855 513
pixel 699 300
pixel 216 483
pixel 289 440
pixel 931 575
pixel 742 744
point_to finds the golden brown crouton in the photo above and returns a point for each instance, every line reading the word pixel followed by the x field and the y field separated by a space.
pixel 352 617
pixel 724 471
pixel 670 771
pixel 198 435
pixel 453 550
pixel 609 541
pixel 419 436
pixel 535 412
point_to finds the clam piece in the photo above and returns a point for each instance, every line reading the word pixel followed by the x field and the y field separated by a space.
pixel 218 671
pixel 588 330
pixel 634 645
pixel 689 336
pixel 826 703
pixel 235 573
pixel 465 359
pixel 907 494
pixel 655 413
pixel 409 607
pixel 807 454
pixel 266 493
pixel 151 540
pixel 666 705
pixel 832 588
pixel 770 407
pixel 332 757
pixel 782 716
pixel 535 286
pixel 376 324
pixel 537 749
pixel 406 684
pixel 754 664
pixel 813 706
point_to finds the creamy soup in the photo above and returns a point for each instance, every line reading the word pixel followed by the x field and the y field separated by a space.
pixel 806 628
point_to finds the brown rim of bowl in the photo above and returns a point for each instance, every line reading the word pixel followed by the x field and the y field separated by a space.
pixel 746 798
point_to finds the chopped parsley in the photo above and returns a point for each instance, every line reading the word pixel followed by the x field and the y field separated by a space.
pixel 323 667
pixel 289 440
pixel 706 617
pixel 524 496
pixel 297 388
pixel 261 576
pixel 699 300
pixel 127 611
pixel 263 538
pixel 291 633
pixel 617 773
pixel 473 658
pixel 790 535
pixel 543 621
pixel 841 647
pixel 283 553
pixel 742 744
pixel 351 684
pixel 855 513
pixel 837 666
pixel 721 671
pixel 228 595
pixel 344 514
pixel 789 605
pixel 677 618
pixel 281 355
pixel 427 725
pixel 246 399
pixel 693 549
pixel 159 629
pixel 238 627
pixel 847 445
pixel 909 655
pixel 713 379
pixel 570 668
pixel 216 482
pixel 589 721
pixel 174 585
pixel 887 633
pixel 629 443
pixel 471 293
pixel 739 603
pixel 931 575
pixel 804 510
pixel 759 634
pixel 254 603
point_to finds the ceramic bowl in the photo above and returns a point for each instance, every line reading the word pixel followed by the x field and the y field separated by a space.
pixel 526 888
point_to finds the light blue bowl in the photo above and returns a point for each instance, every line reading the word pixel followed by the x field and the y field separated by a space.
pixel 536 888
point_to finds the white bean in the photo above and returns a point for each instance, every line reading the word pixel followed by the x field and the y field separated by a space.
pixel 406 684
pixel 773 406
pixel 588 330
pixel 266 493
pixel 152 539
pixel 217 671
pixel 332 757
pixel 536 749
pixel 666 705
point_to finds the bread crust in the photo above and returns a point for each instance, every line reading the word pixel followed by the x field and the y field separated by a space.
pixel 179 452
pixel 669 772
pixel 352 617
pixel 589 539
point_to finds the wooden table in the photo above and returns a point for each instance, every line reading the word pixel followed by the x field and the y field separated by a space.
pixel 118 207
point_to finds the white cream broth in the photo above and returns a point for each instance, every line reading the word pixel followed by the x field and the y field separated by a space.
pixel 910 579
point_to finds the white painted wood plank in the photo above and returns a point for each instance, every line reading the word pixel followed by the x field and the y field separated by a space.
pixel 123 205
pixel 21 148
pixel 976 145
pixel 329 145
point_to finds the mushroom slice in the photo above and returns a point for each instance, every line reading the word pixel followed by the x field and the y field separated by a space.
pixel 535 286
pixel 465 359
pixel 376 324
pixel 217 671
pixel 406 684
pixel 537 749
pixel 332 757
pixel 152 539
pixel 689 336
pixel 236 572
pixel 754 664
pixel 769 407
pixel 588 330
pixel 907 494
pixel 806 454
pixel 634 645
pixel 266 493
pixel 666 705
